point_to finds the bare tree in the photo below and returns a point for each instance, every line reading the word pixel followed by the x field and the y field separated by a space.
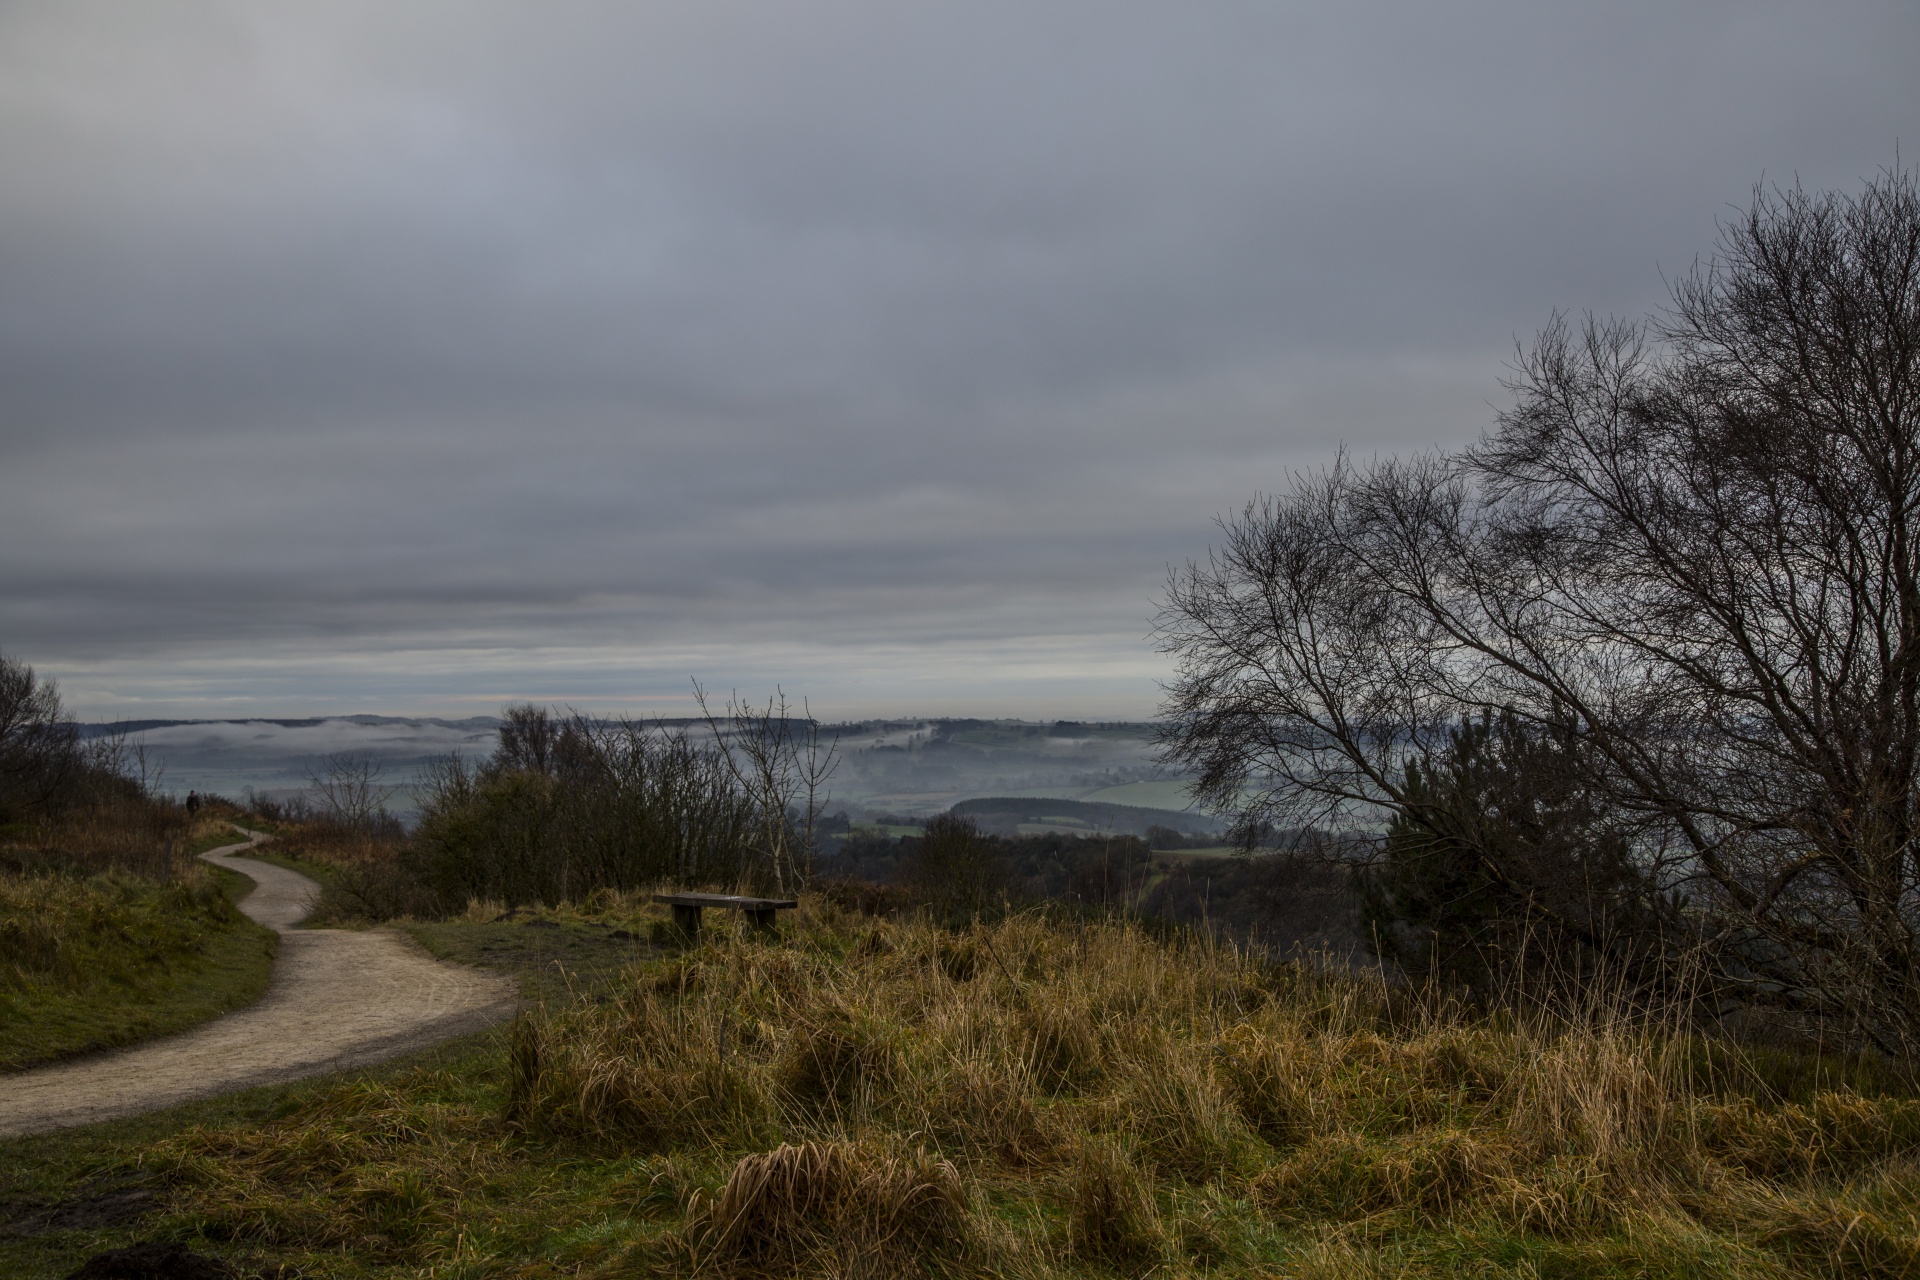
pixel 40 756
pixel 1691 550
pixel 530 737
pixel 351 789
pixel 779 760
pixel 131 760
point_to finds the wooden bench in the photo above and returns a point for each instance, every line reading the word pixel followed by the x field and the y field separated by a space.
pixel 687 908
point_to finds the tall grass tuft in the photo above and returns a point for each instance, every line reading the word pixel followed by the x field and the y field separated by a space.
pixel 833 1208
pixel 1111 1216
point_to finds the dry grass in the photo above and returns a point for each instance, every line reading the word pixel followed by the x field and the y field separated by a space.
pixel 1032 1098
pixel 1111 1215
pixel 127 834
pixel 69 932
pixel 94 961
pixel 832 1208
pixel 1131 1072
pixel 367 1169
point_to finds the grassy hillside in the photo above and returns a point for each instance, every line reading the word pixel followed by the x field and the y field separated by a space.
pixel 97 961
pixel 1037 1099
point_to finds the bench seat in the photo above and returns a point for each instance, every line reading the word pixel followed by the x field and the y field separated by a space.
pixel 688 906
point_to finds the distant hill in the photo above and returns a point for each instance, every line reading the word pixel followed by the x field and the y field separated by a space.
pixel 101 728
pixel 915 767
pixel 1006 814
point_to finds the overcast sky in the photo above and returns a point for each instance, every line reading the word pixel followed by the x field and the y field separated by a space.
pixel 414 357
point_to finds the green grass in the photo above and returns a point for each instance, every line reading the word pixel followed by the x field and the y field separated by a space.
pixel 97 962
pixel 552 963
pixel 65 1196
pixel 1028 1099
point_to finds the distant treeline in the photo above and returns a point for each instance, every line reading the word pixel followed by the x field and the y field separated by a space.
pixel 1004 815
pixel 959 871
pixel 568 805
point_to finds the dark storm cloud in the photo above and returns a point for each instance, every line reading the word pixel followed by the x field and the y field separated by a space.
pixel 419 354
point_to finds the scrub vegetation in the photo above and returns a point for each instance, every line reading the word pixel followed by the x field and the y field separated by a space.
pixel 1041 1095
pixel 568 805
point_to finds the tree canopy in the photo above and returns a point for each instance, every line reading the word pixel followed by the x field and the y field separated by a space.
pixel 1689 554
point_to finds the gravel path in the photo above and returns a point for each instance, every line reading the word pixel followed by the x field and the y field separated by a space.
pixel 339 998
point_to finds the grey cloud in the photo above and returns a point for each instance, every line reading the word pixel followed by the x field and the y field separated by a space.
pixel 416 348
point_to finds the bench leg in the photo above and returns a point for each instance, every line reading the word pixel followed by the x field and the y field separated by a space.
pixel 686 919
pixel 762 922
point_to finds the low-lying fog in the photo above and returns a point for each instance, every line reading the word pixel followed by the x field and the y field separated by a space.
pixel 905 767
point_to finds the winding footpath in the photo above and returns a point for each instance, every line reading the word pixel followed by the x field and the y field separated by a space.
pixel 339 998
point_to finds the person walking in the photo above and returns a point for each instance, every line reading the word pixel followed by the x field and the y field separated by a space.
pixel 193 804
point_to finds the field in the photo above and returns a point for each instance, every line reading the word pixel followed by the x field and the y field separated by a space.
pixel 1036 1097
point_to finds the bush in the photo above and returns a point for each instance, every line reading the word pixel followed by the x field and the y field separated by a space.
pixel 1499 862
pixel 566 807
pixel 371 870
pixel 957 871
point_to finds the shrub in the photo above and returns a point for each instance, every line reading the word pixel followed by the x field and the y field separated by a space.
pixel 565 807
pixel 957 871
pixel 1110 1210
pixel 834 1208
